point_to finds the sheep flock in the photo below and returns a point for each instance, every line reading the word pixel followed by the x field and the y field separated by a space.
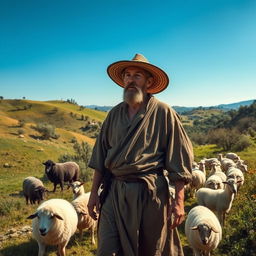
pixel 215 184
pixel 220 180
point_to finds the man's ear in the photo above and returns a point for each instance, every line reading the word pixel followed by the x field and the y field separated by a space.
pixel 149 82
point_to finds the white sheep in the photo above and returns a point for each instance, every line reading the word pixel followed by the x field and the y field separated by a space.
pixel 219 200
pixel 202 167
pixel 236 173
pixel 56 222
pixel 209 161
pixel 241 165
pixel 232 156
pixel 214 182
pixel 80 202
pixel 77 188
pixel 216 170
pixel 203 230
pixel 198 181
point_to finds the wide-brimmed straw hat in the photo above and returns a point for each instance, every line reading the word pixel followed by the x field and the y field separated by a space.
pixel 160 78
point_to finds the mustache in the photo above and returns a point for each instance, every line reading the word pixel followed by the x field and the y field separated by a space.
pixel 131 85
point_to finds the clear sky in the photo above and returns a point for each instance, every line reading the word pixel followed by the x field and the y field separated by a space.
pixel 60 49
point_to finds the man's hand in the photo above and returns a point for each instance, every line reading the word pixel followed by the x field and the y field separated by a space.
pixel 176 209
pixel 94 205
pixel 177 212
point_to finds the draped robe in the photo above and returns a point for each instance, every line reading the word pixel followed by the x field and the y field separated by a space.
pixel 154 139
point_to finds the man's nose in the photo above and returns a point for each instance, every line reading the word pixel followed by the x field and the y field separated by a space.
pixel 130 79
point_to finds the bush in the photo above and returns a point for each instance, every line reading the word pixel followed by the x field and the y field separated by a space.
pixel 21 131
pixel 225 138
pixel 47 131
pixel 242 143
pixel 21 123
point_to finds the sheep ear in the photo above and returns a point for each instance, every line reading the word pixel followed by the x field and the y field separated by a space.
pixel 224 182
pixel 239 181
pixel 194 228
pixel 82 183
pixel 44 163
pixel 32 216
pixel 58 216
pixel 214 230
pixel 84 213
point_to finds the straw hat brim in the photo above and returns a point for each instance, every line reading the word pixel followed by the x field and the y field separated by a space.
pixel 160 78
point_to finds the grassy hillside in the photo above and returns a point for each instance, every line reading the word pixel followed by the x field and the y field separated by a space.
pixel 22 156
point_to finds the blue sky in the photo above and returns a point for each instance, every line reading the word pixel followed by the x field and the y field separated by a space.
pixel 60 49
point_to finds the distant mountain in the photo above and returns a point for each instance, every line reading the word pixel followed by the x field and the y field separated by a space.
pixel 101 108
pixel 224 107
pixel 235 105
pixel 182 109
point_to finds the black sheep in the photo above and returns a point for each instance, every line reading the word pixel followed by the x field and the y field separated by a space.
pixel 58 173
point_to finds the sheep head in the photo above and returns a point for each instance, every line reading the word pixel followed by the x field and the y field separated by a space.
pixel 45 220
pixel 204 231
pixel 48 165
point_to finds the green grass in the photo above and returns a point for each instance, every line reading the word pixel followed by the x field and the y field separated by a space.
pixel 25 157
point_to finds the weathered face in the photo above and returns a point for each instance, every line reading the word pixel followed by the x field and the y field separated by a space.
pixel 136 82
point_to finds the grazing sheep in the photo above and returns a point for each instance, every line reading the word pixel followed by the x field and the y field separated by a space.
pixel 219 200
pixel 58 173
pixel 56 222
pixel 232 156
pixel 214 182
pixel 203 230
pixel 80 204
pixel 33 190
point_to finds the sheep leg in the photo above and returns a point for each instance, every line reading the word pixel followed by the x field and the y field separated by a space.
pixel 223 218
pixel 27 200
pixel 196 252
pixel 54 188
pixel 92 235
pixel 41 250
pixel 80 234
pixel 62 185
pixel 220 217
pixel 61 249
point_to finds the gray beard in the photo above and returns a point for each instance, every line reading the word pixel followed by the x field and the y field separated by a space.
pixel 132 97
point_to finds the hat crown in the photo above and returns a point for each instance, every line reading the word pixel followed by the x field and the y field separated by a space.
pixel 140 57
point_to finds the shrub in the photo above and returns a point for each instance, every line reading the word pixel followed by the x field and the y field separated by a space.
pixel 21 123
pixel 21 131
pixel 242 143
pixel 47 131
